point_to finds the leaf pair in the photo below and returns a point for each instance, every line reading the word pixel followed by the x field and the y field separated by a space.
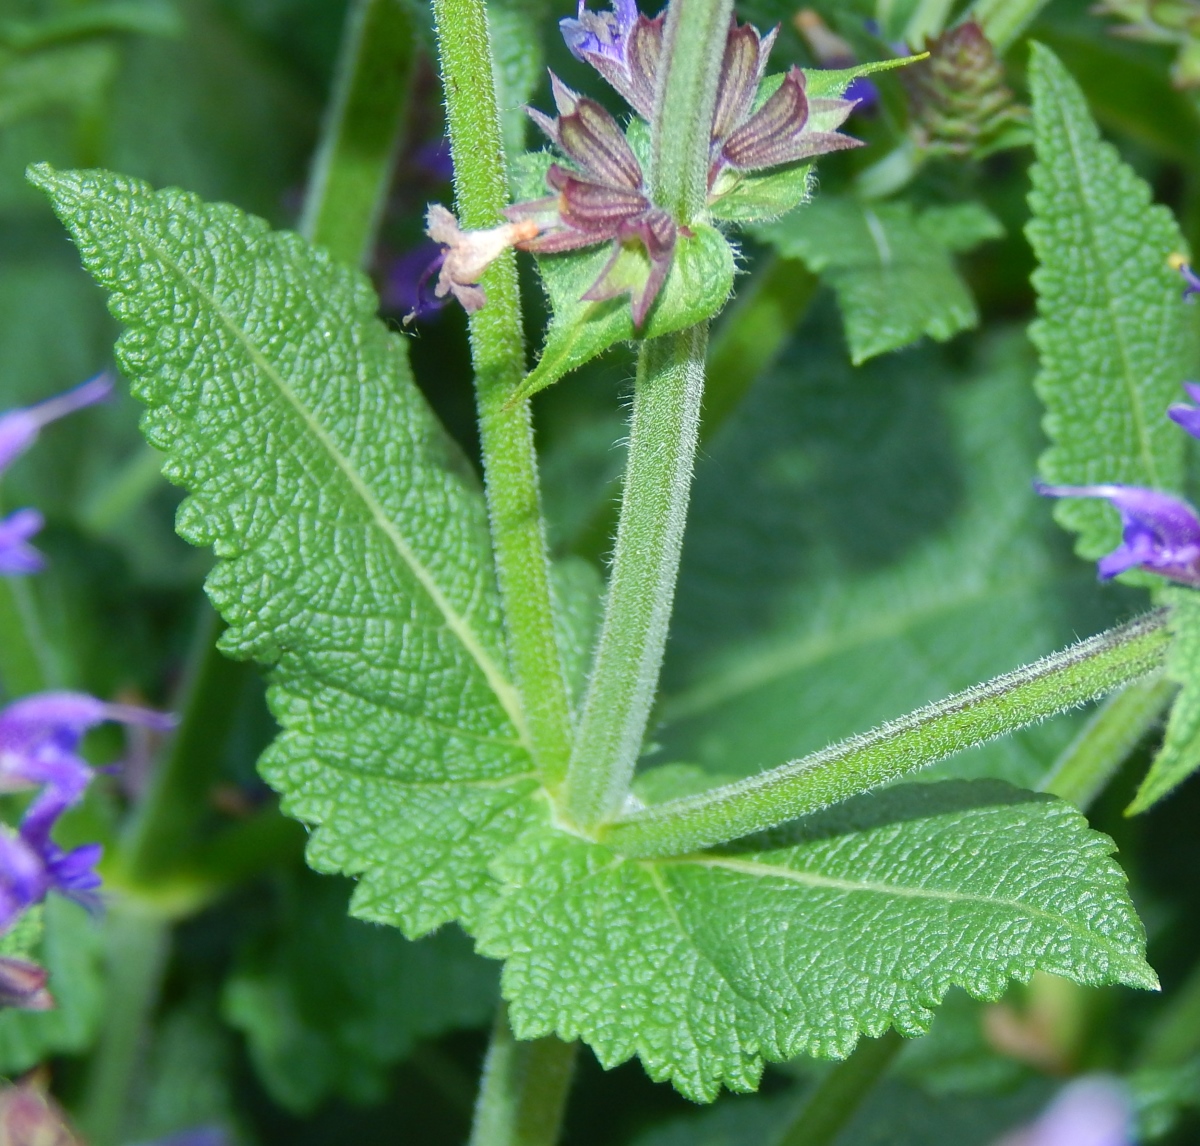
pixel 354 559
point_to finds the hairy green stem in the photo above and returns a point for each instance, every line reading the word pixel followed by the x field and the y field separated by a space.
pixel 360 139
pixel 1003 21
pixel 641 588
pixel 1091 760
pixel 693 48
pixel 138 943
pixel 523 1093
pixel 498 354
pixel 1058 682
pixel 838 1095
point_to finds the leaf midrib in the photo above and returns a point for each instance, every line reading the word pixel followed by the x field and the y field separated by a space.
pixel 813 879
pixel 501 688
pixel 1089 218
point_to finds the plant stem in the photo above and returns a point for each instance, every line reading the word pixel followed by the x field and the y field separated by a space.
pixel 162 829
pixel 1091 760
pixel 498 354
pixel 1003 21
pixel 693 48
pixel 662 441
pixel 137 951
pixel 523 1093
pixel 1030 694
pixel 658 475
pixel 837 1096
pixel 360 138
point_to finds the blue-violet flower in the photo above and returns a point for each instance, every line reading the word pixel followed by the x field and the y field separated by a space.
pixel 1187 416
pixel 19 430
pixel 39 746
pixel 1092 1111
pixel 1160 533
pixel 1191 281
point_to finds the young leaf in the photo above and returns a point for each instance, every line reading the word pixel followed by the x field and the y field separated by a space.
pixel 1179 756
pixel 1112 333
pixel 840 925
pixel 353 547
pixel 892 268
pixel 329 1004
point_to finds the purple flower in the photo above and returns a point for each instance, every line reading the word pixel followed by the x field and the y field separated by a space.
pixel 39 746
pixel 1160 533
pixel 1187 416
pixel 1092 1111
pixel 1191 281
pixel 197 1136
pixel 30 1117
pixel 407 280
pixel 787 128
pixel 17 556
pixel 19 429
pixel 623 46
pixel 602 199
pixel 23 985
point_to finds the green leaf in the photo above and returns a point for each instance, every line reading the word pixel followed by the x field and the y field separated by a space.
pixel 24 939
pixel 1112 333
pixel 864 542
pixel 752 196
pixel 329 1004
pixel 72 952
pixel 72 77
pixel 697 286
pixel 891 267
pixel 353 543
pixel 840 925
pixel 1163 1095
pixel 1179 755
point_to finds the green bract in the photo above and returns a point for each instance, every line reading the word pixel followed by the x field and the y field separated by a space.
pixel 697 286
pixel 1112 334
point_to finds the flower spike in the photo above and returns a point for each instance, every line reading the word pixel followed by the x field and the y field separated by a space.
pixel 1160 533
pixel 601 199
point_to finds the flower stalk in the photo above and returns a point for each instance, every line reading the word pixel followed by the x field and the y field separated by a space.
pixel 498 354
pixel 662 448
